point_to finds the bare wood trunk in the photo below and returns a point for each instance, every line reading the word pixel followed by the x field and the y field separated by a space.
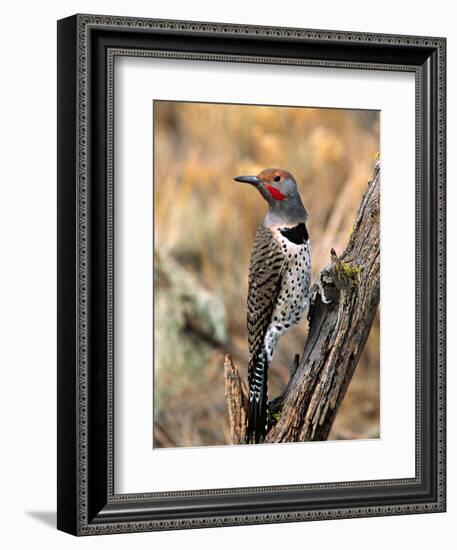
pixel 307 408
pixel 237 401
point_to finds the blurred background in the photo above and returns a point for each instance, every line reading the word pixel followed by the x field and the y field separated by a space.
pixel 204 226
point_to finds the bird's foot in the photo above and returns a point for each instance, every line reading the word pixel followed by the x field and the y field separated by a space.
pixel 325 287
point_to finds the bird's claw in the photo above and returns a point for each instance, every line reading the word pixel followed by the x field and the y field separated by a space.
pixel 324 286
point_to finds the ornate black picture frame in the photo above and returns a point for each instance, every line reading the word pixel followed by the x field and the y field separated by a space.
pixel 87 46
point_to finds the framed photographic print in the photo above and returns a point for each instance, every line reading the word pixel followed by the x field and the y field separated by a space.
pixel 251 274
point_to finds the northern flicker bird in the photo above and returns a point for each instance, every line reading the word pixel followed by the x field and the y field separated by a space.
pixel 279 281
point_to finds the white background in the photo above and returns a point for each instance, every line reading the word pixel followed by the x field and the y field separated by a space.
pixel 136 467
pixel 28 281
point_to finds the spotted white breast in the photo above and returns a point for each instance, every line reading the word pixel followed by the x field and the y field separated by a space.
pixel 292 299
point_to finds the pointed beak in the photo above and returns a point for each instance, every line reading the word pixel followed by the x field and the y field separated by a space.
pixel 253 180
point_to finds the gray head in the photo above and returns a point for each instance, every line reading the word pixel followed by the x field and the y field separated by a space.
pixel 279 188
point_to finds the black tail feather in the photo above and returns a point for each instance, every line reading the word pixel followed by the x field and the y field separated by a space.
pixel 256 428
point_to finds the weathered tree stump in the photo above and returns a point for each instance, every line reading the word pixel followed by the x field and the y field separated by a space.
pixel 338 330
pixel 236 396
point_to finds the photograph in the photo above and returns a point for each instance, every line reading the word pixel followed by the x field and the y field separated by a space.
pixel 251 273
pixel 251 204
pixel 227 241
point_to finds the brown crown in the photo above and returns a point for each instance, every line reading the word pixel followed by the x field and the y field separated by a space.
pixel 270 173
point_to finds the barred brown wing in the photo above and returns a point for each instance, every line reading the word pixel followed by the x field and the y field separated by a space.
pixel 265 274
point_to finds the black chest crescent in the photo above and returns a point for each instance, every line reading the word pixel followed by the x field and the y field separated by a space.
pixel 297 234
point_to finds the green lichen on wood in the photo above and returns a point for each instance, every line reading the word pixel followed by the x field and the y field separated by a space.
pixel 350 271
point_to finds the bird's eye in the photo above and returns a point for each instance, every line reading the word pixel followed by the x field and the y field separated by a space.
pixel 277 178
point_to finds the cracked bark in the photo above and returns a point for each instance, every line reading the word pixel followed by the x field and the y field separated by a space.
pixel 307 408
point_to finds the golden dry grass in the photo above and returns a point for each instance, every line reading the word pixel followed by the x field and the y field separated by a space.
pixel 204 227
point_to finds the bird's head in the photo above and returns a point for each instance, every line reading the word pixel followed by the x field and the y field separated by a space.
pixel 279 188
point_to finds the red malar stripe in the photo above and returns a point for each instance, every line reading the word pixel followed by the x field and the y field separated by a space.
pixel 275 193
